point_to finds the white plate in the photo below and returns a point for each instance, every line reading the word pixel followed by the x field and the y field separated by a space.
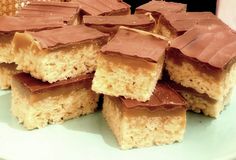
pixel 89 138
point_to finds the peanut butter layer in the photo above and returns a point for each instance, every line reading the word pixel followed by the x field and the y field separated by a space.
pixel 67 11
pixel 35 86
pixel 163 98
pixel 68 35
pixel 159 7
pixel 181 22
pixel 110 24
pixel 213 47
pixel 103 7
pixel 136 43
pixel 10 24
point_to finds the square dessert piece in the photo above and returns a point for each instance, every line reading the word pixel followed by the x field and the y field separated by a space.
pixel 111 24
pixel 159 7
pixel 102 7
pixel 69 12
pixel 8 26
pixel 9 7
pixel 6 73
pixel 37 104
pixel 58 54
pixel 130 65
pixel 199 60
pixel 161 120
pixel 172 25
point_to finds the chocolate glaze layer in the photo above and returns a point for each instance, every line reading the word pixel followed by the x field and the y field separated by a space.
pixel 67 11
pixel 159 7
pixel 163 97
pixel 110 24
pixel 37 86
pixel 10 24
pixel 136 44
pixel 67 35
pixel 103 7
pixel 214 46
pixel 181 22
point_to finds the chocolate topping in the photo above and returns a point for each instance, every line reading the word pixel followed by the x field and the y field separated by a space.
pixel 215 46
pixel 136 43
pixel 181 22
pixel 68 35
pixel 126 20
pixel 37 86
pixel 110 24
pixel 67 11
pixel 163 97
pixel 10 24
pixel 103 7
pixel 159 7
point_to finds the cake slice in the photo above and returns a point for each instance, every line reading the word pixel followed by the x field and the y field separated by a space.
pixel 172 25
pixel 69 12
pixel 204 59
pixel 111 24
pixel 161 120
pixel 157 8
pixel 58 54
pixel 130 65
pixel 37 104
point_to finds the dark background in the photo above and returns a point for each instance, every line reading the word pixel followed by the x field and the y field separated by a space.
pixel 193 5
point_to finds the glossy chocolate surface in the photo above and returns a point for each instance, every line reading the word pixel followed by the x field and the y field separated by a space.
pixel 163 97
pixel 159 7
pixel 136 44
pixel 181 22
pixel 68 35
pixel 103 7
pixel 214 46
pixel 9 24
pixel 37 86
pixel 67 11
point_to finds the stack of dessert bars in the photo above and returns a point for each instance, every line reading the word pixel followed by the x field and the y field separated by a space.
pixel 149 67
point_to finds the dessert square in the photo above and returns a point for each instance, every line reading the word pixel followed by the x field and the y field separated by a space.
pixel 130 64
pixel 156 8
pixel 202 103
pixel 199 60
pixel 9 25
pixel 161 120
pixel 102 7
pixel 58 54
pixel 68 12
pixel 37 104
pixel 6 73
pixel 172 25
pixel 111 24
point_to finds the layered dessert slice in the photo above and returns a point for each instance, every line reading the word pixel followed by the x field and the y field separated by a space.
pixel 111 24
pixel 103 7
pixel 37 104
pixel 161 120
pixel 130 64
pixel 204 59
pixel 58 54
pixel 69 12
pixel 157 8
pixel 172 25
pixel 8 26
